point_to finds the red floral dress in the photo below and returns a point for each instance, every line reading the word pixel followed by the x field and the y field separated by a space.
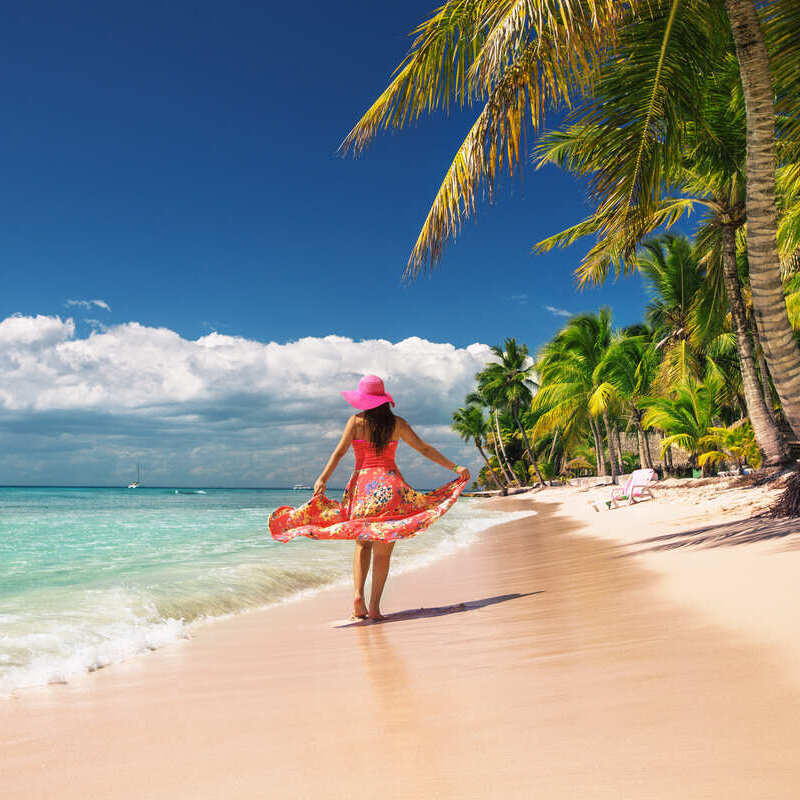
pixel 378 505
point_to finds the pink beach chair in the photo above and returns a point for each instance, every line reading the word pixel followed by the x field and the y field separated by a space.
pixel 636 488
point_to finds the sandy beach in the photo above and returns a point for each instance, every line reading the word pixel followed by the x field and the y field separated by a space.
pixel 648 652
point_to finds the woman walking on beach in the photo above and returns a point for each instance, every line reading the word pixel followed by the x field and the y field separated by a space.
pixel 378 506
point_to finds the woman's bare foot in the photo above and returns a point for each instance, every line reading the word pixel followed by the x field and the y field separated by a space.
pixel 359 608
pixel 376 616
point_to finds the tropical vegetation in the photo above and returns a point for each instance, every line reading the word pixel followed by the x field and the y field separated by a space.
pixel 670 107
pixel 665 393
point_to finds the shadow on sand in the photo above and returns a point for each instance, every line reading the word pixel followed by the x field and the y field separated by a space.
pixel 726 534
pixel 440 611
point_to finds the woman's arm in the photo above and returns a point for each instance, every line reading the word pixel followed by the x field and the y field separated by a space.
pixel 336 457
pixel 407 434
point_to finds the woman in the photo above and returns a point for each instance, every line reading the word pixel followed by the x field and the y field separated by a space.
pixel 378 506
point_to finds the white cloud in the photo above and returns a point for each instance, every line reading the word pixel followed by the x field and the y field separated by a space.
pixel 558 312
pixel 234 410
pixel 37 332
pixel 522 299
pixel 87 304
pixel 95 324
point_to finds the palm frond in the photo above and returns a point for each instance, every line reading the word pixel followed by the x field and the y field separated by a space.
pixel 491 145
pixel 432 75
pixel 602 397
pixel 657 89
pixel 579 32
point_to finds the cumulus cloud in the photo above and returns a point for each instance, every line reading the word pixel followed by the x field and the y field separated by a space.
pixel 558 312
pixel 87 304
pixel 95 324
pixel 220 409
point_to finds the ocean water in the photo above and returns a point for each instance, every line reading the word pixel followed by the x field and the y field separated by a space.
pixel 90 577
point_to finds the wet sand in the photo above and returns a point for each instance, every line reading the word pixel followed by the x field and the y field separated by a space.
pixel 545 664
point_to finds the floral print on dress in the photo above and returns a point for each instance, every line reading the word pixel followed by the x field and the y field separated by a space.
pixel 378 505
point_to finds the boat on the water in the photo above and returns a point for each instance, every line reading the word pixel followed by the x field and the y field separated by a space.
pixel 138 482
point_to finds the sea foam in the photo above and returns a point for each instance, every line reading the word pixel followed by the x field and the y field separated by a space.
pixel 92 579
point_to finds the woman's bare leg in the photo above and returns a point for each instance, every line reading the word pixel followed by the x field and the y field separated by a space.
pixel 381 556
pixel 360 570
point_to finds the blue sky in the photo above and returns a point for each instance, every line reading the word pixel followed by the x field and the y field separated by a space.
pixel 178 161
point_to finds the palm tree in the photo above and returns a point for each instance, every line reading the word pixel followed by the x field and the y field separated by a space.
pixel 567 369
pixel 708 171
pixel 625 373
pixel 678 286
pixel 562 401
pixel 495 436
pixel 769 307
pixel 686 417
pixel 502 432
pixel 469 423
pixel 510 383
pixel 735 444
pixel 517 57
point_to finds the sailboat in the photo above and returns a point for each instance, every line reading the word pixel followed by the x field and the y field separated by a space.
pixel 135 484
pixel 299 487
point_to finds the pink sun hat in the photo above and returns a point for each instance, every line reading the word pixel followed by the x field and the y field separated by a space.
pixel 370 394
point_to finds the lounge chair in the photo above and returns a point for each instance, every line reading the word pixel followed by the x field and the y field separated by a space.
pixel 636 488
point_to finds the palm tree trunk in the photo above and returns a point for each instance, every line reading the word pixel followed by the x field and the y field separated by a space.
pixel 640 441
pixel 528 447
pixel 489 466
pixel 599 452
pixel 553 446
pixel 618 445
pixel 769 306
pixel 762 368
pixel 512 477
pixel 500 461
pixel 612 455
pixel 647 450
pixel 766 431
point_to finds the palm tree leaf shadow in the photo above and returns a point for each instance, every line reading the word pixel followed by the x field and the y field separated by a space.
pixel 725 534
pixel 441 611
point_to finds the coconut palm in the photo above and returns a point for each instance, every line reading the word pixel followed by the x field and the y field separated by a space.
pixel 625 373
pixel 503 430
pixel 686 416
pixel 509 383
pixel 508 438
pixel 470 424
pixel 735 444
pixel 494 436
pixel 709 172
pixel 769 308
pixel 517 57
pixel 567 369
pixel 678 287
pixel 561 403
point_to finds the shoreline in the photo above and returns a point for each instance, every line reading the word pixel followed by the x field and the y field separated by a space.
pixel 501 671
pixel 166 631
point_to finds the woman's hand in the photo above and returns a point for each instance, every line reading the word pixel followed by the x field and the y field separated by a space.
pixel 319 486
pixel 463 473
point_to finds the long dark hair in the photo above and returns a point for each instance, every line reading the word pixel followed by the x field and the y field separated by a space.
pixel 380 425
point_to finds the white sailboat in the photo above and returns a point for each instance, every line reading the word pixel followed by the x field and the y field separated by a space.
pixel 301 487
pixel 135 484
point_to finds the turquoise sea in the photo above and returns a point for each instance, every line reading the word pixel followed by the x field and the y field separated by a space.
pixel 89 577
